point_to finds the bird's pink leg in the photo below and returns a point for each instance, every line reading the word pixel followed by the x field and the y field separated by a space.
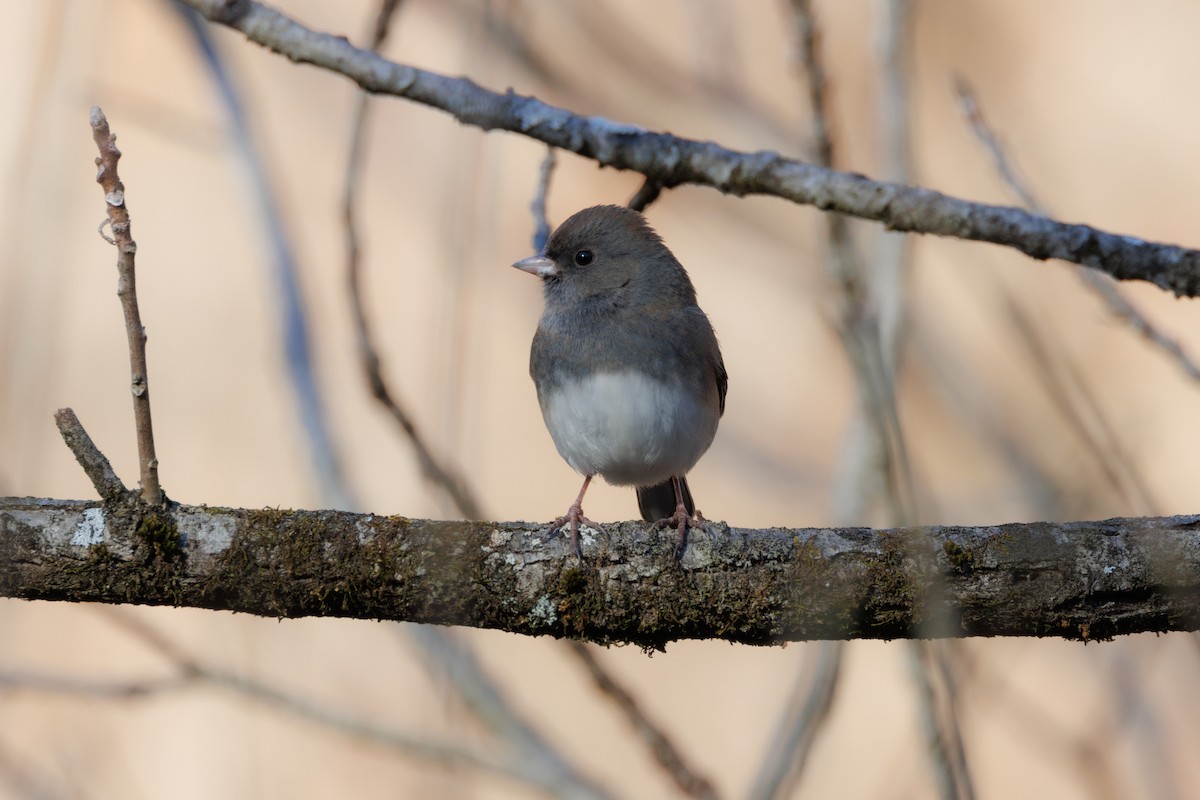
pixel 680 519
pixel 575 516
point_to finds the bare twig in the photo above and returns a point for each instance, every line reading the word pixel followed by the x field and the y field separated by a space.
pixel 647 194
pixel 446 754
pixel 485 701
pixel 432 467
pixel 541 225
pixel 1091 755
pixel 118 217
pixel 19 680
pixel 675 161
pixel 294 336
pixel 941 735
pixel 1080 410
pixel 802 722
pixel 94 463
pixel 877 465
pixel 664 751
pixel 1101 284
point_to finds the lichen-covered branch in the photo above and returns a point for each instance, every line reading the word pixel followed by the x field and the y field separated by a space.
pixel 1076 580
pixel 669 161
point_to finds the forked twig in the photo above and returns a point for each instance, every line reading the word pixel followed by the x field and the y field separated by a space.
pixel 118 220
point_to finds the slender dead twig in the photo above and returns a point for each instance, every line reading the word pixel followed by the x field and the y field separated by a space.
pixel 647 194
pixel 1104 286
pixel 118 219
pixel 14 680
pixel 803 720
pixel 675 161
pixel 284 263
pixel 664 751
pixel 953 783
pixel 419 746
pixel 879 463
pixel 432 467
pixel 485 701
pixel 541 225
pixel 94 463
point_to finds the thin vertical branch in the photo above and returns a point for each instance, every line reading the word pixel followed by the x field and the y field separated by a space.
pixel 295 340
pixel 877 457
pixel 669 757
pixel 942 736
pixel 432 467
pixel 803 719
pixel 478 691
pixel 122 237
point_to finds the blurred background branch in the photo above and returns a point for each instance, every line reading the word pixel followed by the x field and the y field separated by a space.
pixel 674 161
pixel 1018 396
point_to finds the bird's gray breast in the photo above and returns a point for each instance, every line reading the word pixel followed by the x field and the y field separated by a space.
pixel 629 427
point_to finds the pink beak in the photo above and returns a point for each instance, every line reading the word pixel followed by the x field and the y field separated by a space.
pixel 537 265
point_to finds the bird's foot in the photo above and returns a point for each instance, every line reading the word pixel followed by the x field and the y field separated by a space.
pixel 575 518
pixel 681 521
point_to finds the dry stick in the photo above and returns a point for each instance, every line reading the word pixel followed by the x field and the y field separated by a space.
pixel 432 467
pixel 675 161
pixel 656 740
pixel 94 463
pixel 118 219
pixel 1117 302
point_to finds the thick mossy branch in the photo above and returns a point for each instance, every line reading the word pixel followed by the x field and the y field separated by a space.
pixel 1079 580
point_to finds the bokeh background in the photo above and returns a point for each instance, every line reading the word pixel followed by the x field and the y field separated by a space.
pixel 1021 396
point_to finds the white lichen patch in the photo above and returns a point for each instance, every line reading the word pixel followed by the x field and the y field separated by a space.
pixel 90 529
pixel 365 529
pixel 208 531
pixel 544 611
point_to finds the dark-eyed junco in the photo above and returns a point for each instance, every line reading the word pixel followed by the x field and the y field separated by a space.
pixel 627 368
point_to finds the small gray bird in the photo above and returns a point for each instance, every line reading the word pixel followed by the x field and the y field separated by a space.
pixel 627 368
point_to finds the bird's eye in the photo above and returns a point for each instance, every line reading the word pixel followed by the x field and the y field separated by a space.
pixel 583 258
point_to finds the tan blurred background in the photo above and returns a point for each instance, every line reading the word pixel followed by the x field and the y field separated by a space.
pixel 1095 103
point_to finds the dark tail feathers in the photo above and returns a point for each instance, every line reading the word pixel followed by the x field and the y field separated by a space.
pixel 658 501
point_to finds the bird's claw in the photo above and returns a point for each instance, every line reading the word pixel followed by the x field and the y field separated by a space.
pixel 575 518
pixel 681 521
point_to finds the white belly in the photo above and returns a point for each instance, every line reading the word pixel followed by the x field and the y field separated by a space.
pixel 628 427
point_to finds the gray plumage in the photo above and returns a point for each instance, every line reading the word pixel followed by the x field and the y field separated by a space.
pixel 627 367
